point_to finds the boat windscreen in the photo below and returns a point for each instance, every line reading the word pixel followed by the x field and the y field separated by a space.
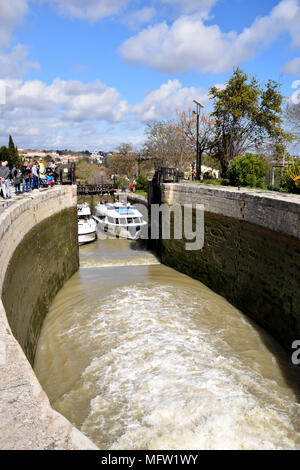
pixel 124 211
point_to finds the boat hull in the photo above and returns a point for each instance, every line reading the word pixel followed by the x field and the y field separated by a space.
pixel 87 238
pixel 118 231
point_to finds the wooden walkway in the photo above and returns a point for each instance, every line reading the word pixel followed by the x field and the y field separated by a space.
pixel 91 189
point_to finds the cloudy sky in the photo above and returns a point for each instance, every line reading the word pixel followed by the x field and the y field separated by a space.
pixel 90 73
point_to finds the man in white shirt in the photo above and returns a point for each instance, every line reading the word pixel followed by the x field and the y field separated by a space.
pixel 4 178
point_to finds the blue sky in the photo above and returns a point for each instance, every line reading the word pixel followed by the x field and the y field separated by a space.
pixel 90 73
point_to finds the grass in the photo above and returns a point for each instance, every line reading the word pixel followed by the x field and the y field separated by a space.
pixel 263 186
pixel 211 181
pixel 140 192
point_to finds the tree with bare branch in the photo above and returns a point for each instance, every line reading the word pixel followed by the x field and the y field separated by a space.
pixel 186 127
pixel 293 120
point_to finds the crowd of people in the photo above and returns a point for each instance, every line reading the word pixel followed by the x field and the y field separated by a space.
pixel 30 176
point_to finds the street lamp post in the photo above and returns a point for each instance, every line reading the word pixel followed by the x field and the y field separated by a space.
pixel 139 159
pixel 198 156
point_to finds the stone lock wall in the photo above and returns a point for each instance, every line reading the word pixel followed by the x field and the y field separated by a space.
pixel 251 253
pixel 45 258
pixel 38 252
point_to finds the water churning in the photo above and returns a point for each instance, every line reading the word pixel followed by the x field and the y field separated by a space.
pixel 139 356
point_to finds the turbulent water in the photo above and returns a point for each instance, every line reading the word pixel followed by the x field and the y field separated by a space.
pixel 139 356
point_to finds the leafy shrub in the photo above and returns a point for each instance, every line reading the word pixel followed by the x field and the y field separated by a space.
pixel 287 183
pixel 142 183
pixel 208 175
pixel 276 187
pixel 247 170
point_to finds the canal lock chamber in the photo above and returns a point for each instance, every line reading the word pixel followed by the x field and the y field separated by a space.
pixel 153 427
pixel 140 356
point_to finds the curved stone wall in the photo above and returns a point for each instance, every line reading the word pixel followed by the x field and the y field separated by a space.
pixel 38 252
pixel 251 253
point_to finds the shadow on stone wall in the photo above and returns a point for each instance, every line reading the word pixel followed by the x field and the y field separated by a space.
pixel 47 256
pixel 256 270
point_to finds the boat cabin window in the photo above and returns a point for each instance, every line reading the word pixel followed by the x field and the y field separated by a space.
pixel 110 220
pixel 130 220
pixel 137 220
pixel 122 221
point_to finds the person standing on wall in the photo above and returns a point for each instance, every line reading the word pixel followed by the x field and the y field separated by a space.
pixel 5 177
pixel 42 169
pixel 35 176
pixel 53 168
pixel 16 174
pixel 26 177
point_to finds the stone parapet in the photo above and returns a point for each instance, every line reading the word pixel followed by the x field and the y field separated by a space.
pixel 29 229
pixel 251 252
pixel 269 209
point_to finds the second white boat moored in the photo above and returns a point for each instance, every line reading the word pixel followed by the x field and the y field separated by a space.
pixel 87 227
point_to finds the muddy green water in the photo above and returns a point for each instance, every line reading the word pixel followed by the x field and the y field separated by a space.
pixel 139 356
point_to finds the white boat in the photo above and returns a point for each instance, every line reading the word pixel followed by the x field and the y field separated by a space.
pixel 87 227
pixel 119 219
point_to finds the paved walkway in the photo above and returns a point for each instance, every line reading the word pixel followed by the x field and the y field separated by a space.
pixel 262 193
pixel 133 196
pixel 4 203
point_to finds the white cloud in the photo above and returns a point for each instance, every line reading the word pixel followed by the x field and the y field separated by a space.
pixel 71 100
pixel 74 114
pixel 165 101
pixel 11 14
pixel 292 67
pixel 140 17
pixel 95 10
pixel 188 6
pixel 295 97
pixel 42 115
pixel 64 103
pixel 92 10
pixel 190 44
pixel 15 64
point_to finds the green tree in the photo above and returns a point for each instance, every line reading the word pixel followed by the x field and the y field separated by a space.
pixel 142 183
pixel 247 170
pixel 4 154
pixel 13 154
pixel 246 114
pixel 287 183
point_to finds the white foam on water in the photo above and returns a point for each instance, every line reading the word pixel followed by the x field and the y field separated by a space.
pixel 103 259
pixel 142 261
pixel 159 371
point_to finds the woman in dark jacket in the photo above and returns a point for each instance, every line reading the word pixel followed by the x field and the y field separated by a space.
pixel 16 174
pixel 26 177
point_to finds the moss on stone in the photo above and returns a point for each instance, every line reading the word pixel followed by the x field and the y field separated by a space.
pixel 47 256
pixel 256 269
